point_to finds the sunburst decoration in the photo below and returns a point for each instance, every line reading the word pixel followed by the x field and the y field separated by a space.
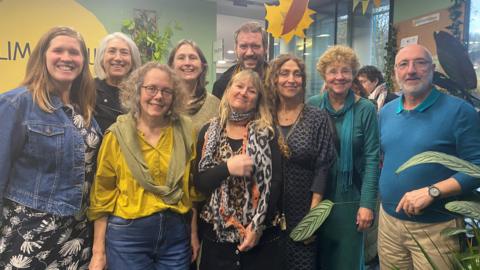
pixel 377 4
pixel 289 18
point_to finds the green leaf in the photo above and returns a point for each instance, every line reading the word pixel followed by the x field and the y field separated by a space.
pixel 448 232
pixel 312 221
pixel 448 161
pixel 424 252
pixel 469 209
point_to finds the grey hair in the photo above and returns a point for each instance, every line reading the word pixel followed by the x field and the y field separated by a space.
pixel 134 52
pixel 131 88
pixel 252 27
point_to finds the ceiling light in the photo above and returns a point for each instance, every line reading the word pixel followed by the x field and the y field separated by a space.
pixel 323 35
pixel 230 52
pixel 221 62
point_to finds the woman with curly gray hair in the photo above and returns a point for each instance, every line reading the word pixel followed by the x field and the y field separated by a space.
pixel 141 196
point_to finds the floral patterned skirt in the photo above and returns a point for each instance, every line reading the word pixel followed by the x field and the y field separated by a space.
pixel 30 239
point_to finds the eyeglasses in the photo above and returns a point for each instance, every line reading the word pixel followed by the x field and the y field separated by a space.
pixel 153 90
pixel 418 64
pixel 344 71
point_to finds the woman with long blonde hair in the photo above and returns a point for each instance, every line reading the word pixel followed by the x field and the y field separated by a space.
pixel 238 170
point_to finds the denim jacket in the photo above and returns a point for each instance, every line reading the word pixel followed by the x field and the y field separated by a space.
pixel 42 155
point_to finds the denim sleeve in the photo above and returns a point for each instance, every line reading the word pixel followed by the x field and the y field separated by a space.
pixel 12 137
pixel 467 136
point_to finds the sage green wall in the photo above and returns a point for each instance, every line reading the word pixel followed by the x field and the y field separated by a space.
pixel 406 9
pixel 198 20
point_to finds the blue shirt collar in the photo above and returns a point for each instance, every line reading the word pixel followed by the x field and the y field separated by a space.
pixel 427 103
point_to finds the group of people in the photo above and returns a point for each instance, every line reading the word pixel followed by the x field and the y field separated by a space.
pixel 171 174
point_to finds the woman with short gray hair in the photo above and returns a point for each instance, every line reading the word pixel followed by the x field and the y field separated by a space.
pixel 116 58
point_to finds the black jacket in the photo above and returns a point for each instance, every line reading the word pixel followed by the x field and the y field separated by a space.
pixel 107 106
pixel 221 84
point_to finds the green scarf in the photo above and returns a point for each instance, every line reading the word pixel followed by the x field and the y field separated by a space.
pixel 125 130
pixel 344 164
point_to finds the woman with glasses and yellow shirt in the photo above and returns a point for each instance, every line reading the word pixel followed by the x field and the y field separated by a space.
pixel 141 194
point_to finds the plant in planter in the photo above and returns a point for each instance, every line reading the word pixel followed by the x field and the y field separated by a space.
pixel 470 258
pixel 143 29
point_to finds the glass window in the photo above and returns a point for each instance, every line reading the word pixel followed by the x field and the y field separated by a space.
pixel 370 34
pixel 322 35
pixel 474 37
pixel 334 23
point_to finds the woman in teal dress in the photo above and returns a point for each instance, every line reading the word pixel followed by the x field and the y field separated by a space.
pixel 354 180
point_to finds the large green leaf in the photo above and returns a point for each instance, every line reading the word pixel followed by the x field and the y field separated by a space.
pixel 312 221
pixel 448 161
pixel 469 209
pixel 453 231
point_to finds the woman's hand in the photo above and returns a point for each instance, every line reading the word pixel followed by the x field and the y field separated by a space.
pixel 99 258
pixel 364 218
pixel 194 242
pixel 250 240
pixel 98 261
pixel 240 165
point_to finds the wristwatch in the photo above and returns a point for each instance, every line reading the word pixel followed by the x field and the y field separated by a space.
pixel 434 192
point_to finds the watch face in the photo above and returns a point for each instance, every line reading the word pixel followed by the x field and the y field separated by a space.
pixel 434 192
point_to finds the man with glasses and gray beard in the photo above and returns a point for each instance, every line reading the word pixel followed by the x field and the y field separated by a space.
pixel 422 119
pixel 251 49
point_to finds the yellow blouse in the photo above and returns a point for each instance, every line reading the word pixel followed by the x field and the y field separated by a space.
pixel 115 191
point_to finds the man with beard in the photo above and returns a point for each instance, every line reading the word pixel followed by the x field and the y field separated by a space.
pixel 422 119
pixel 250 48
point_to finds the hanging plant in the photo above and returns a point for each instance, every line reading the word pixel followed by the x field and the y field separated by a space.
pixel 391 49
pixel 153 44
pixel 455 12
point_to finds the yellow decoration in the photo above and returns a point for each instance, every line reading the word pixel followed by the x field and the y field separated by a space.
pixel 364 6
pixel 289 18
pixel 22 23
pixel 365 3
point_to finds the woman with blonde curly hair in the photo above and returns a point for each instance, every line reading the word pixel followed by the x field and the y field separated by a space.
pixel 354 178
pixel 141 194
pixel 238 171
pixel 47 157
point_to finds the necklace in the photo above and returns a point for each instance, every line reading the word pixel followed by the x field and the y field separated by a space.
pixel 282 140
pixel 290 117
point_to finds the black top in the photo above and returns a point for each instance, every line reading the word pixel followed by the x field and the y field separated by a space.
pixel 390 97
pixel 207 181
pixel 221 84
pixel 107 106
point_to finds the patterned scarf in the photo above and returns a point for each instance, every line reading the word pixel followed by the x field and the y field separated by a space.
pixel 344 164
pixel 238 201
pixel 379 95
pixel 238 117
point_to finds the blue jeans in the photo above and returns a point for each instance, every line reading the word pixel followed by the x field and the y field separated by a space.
pixel 157 242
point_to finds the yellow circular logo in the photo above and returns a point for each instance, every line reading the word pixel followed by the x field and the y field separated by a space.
pixel 22 23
